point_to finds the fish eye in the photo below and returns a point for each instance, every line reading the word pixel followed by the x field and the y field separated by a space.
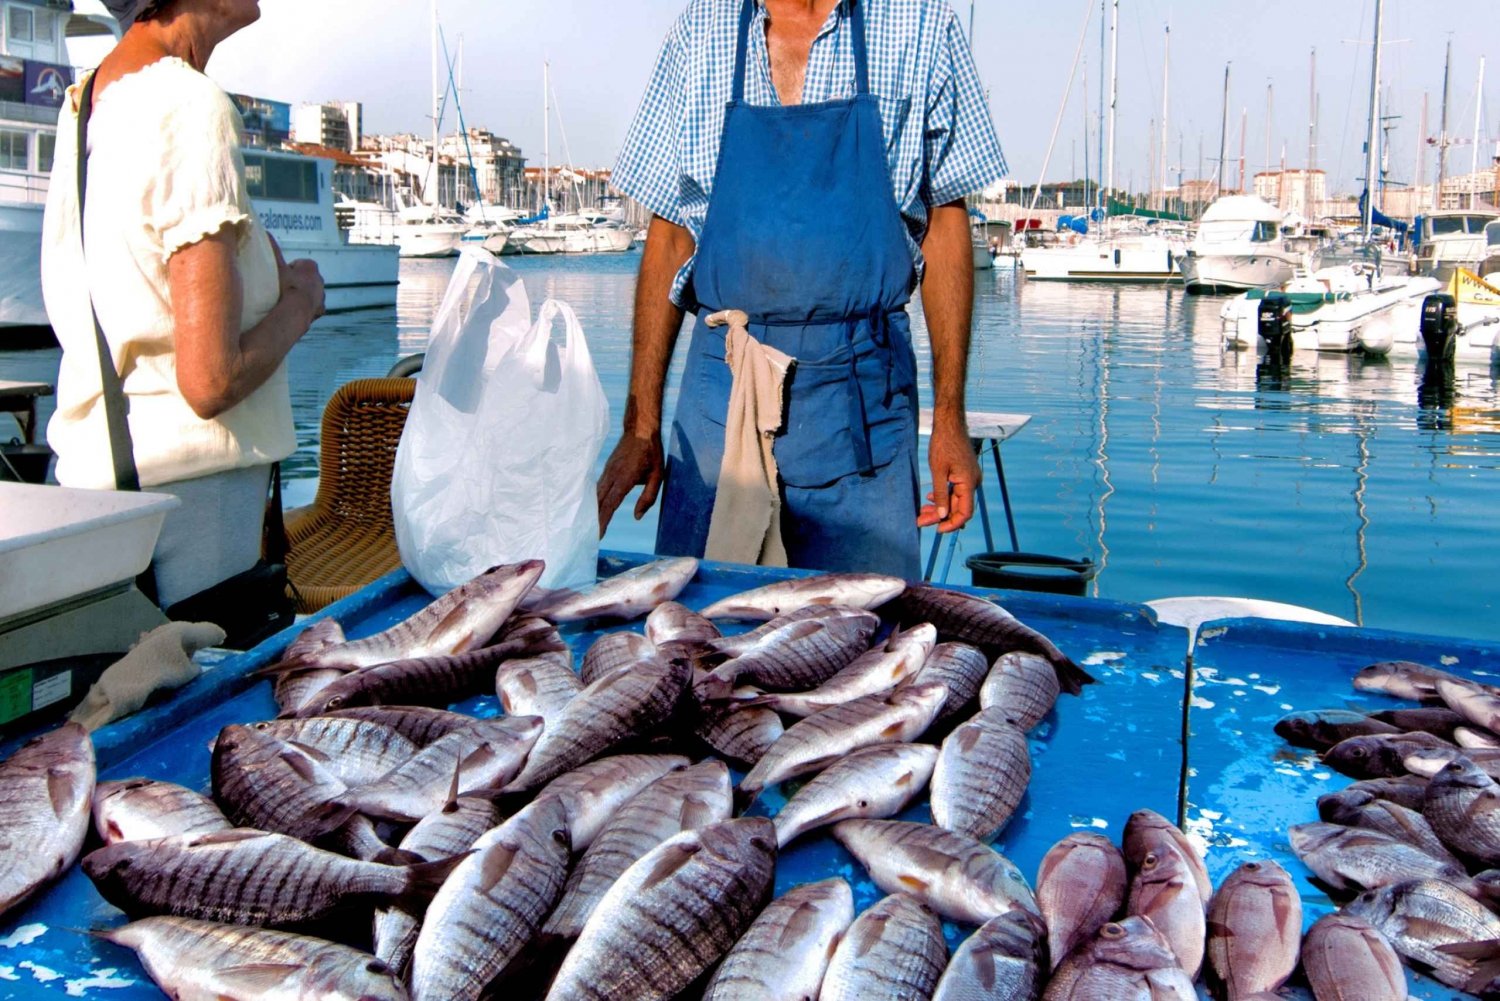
pixel 1253 866
pixel 1112 930
pixel 335 703
pixel 863 804
pixel 1358 752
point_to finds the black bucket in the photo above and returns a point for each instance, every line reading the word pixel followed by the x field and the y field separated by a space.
pixel 1032 572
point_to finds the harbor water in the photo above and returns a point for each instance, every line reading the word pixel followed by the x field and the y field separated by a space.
pixel 1350 485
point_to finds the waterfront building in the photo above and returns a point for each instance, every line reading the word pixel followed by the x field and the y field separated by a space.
pixel 268 123
pixel 335 125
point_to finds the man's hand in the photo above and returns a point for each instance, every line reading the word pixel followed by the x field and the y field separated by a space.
pixel 634 462
pixel 955 475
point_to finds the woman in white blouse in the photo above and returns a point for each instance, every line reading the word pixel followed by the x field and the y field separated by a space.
pixel 192 295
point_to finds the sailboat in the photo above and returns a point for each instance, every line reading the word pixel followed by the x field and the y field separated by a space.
pixel 427 229
pixel 1126 248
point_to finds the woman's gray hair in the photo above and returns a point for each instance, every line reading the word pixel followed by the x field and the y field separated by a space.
pixel 127 12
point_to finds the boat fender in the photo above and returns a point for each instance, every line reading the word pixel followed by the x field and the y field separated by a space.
pixel 1439 326
pixel 1273 321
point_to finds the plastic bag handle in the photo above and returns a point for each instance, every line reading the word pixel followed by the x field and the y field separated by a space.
pixel 575 346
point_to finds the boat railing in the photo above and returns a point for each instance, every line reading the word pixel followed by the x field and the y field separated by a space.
pixel 23 186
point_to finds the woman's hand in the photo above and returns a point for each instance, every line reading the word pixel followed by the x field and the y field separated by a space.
pixel 301 277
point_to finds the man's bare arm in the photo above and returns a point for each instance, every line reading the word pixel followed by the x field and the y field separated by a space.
pixel 948 304
pixel 637 459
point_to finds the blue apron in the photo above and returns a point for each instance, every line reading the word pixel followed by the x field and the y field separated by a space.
pixel 803 233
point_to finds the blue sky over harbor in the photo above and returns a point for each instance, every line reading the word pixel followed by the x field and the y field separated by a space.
pixel 602 51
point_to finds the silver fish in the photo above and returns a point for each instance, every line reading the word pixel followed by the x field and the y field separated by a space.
pixel 1471 737
pixel 733 646
pixel 674 625
pixel 1426 762
pixel 493 905
pixel 463 619
pixel 142 809
pixel 851 590
pixel 679 801
pixel 271 785
pixel 436 680
pixel 1164 891
pixel 293 688
pixel 623 704
pixel 1144 833
pixel 1403 790
pixel 1463 807
pixel 1320 729
pixel 419 724
pixel 672 914
pixel 971 619
pixel 871 783
pixel 591 793
pixel 1348 858
pixel 1003 961
pixel 1254 929
pixel 874 671
pixel 894 951
pixel 356 751
pixel 613 651
pixel 1080 887
pixel 1024 685
pixel 1402 678
pixel 1127 960
pixel 45 792
pixel 486 755
pixel 626 595
pixel 537 686
pixel 1346 959
pixel 958 667
pixel 193 960
pixel 1479 704
pixel 738 733
pixel 785 954
pixel 820 739
pixel 250 877
pixel 962 879
pixel 449 832
pixel 1421 917
pixel 1356 808
pixel 981 775
pixel 796 657
pixel 1378 755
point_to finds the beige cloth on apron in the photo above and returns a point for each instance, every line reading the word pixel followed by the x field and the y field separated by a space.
pixel 746 523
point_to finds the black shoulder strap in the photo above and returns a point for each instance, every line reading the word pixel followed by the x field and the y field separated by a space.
pixel 116 408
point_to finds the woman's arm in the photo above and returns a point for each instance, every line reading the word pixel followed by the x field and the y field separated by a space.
pixel 217 366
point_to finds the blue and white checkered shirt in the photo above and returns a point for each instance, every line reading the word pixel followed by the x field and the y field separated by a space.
pixel 940 142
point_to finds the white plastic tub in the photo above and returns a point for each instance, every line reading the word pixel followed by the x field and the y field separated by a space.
pixel 57 543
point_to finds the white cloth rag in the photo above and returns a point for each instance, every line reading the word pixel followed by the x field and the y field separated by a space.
pixel 746 523
pixel 162 659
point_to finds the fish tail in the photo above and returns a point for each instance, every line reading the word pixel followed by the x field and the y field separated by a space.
pixel 424 879
pixel 1070 677
pixel 397 856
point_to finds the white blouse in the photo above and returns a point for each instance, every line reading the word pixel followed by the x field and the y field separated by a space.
pixel 164 172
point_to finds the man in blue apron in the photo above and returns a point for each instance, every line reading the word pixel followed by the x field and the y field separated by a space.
pixel 805 160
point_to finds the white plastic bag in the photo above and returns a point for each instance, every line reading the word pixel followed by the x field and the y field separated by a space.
pixel 497 460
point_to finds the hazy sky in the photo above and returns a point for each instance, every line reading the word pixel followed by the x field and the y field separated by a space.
pixel 601 51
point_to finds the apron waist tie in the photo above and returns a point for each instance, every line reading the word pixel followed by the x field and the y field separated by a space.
pixel 745 526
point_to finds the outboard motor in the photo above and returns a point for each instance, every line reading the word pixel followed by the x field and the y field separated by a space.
pixel 1273 321
pixel 1439 327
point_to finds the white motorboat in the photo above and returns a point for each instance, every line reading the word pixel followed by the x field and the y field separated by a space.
pixel 428 231
pixel 1125 257
pixel 1470 311
pixel 1239 246
pixel 293 195
pixel 36 66
pixel 1450 239
pixel 1333 309
pixel 578 233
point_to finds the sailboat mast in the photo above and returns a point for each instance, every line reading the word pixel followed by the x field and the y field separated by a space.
pixel 1099 175
pixel 1269 116
pixel 1437 191
pixel 1114 95
pixel 1372 133
pixel 1478 108
pixel 1220 172
pixel 1166 63
pixel 1312 134
pixel 432 193
pixel 1244 129
pixel 546 135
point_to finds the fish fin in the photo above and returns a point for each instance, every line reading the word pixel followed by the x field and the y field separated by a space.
pixel 397 856
pixel 1474 951
pixel 803 920
pixel 62 790
pixel 256 979
pixel 806 629
pixel 1070 676
pixel 320 757
pixel 424 879
pixel 894 731
pixel 669 863
pixel 232 836
pixel 714 686
pixel 697 812
pixel 453 785
pixel 914 882
pixel 870 932
pixel 299 762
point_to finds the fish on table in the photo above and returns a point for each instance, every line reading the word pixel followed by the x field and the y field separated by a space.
pixel 849 590
pixel 1080 887
pixel 1347 959
pixel 981 776
pixel 140 809
pixel 787 949
pixel 893 951
pixel 1005 960
pixel 871 783
pixel 1254 930
pixel 1126 959
pixel 624 596
pixel 46 792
